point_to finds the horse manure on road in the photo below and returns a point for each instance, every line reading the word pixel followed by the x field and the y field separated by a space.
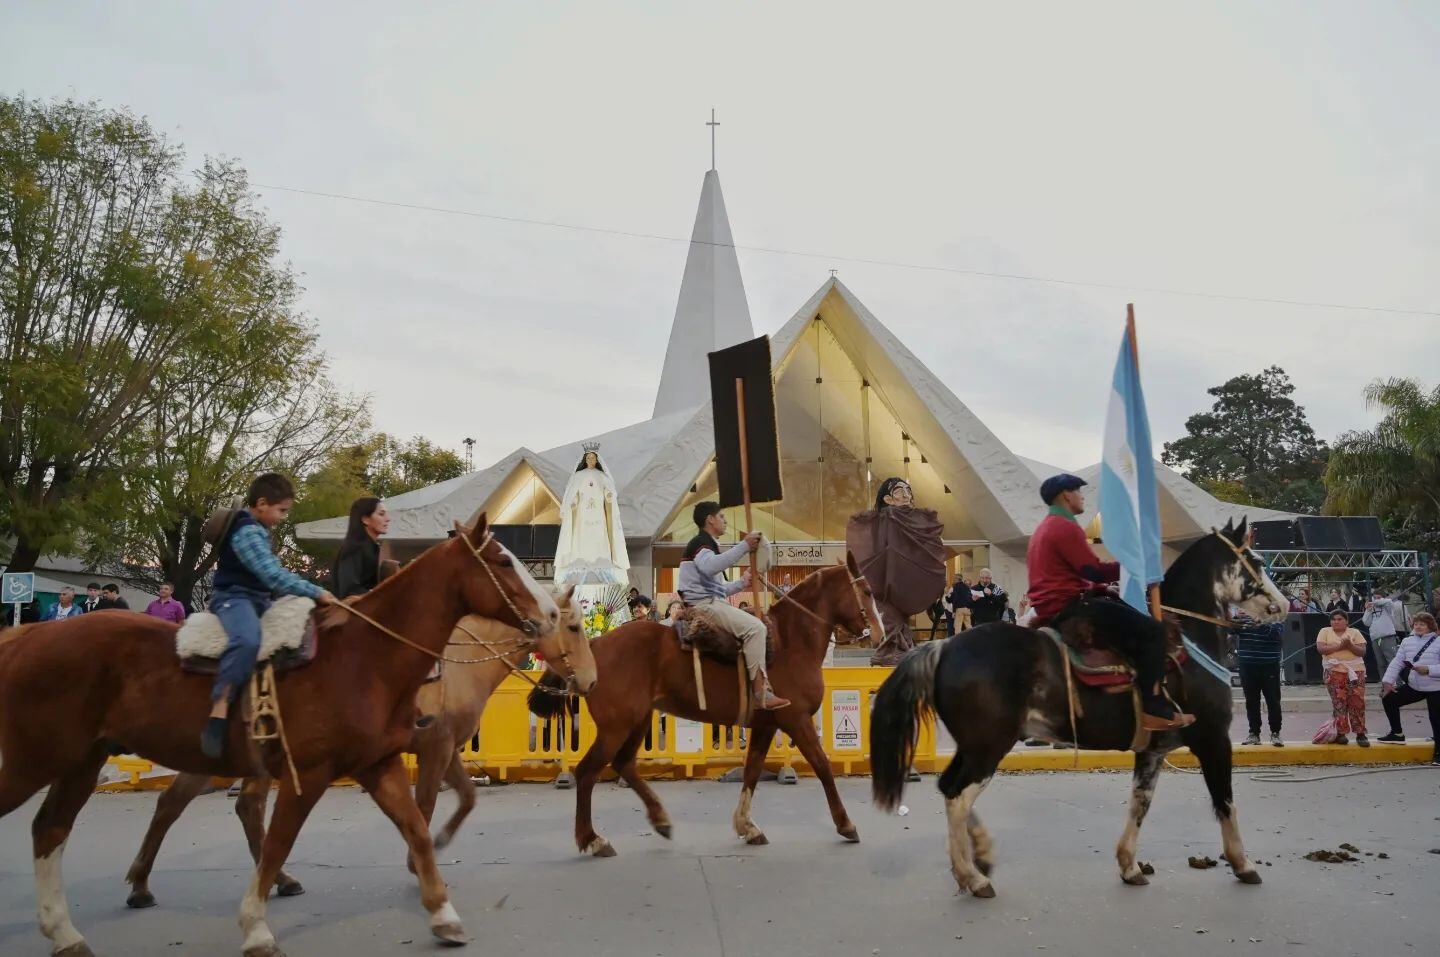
pixel 1332 857
pixel 1202 863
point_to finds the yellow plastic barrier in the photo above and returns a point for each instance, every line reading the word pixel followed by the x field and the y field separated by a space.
pixel 516 746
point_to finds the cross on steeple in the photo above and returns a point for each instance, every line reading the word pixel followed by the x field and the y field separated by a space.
pixel 712 124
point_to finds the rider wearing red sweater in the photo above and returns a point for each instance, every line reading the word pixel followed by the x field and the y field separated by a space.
pixel 1065 574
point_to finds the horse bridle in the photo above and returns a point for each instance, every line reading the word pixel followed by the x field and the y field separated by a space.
pixel 1255 577
pixel 854 590
pixel 526 645
pixel 526 625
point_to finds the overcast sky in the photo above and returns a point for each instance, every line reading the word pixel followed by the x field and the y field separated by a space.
pixel 1278 150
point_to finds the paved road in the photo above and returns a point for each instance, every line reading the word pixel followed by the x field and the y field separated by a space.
pixel 523 891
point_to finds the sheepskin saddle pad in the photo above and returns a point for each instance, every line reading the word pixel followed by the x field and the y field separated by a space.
pixel 287 639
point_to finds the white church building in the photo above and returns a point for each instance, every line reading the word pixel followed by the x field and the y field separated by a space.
pixel 853 406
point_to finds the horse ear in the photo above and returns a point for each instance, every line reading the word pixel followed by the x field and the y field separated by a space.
pixel 1229 530
pixel 569 594
pixel 1242 531
pixel 850 564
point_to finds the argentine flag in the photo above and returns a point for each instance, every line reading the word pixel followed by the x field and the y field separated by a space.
pixel 1129 510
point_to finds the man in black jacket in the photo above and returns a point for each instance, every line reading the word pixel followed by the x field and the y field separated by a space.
pixel 990 599
pixel 962 602
pixel 110 598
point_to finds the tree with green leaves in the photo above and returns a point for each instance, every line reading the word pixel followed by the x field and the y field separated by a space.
pixel 1392 470
pixel 1254 446
pixel 114 273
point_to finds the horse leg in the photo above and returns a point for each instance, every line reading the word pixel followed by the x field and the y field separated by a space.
pixel 172 803
pixel 762 734
pixel 291 810
pixel 458 776
pixel 432 759
pixel 961 783
pixel 803 732
pixel 587 772
pixel 1213 753
pixel 250 808
pixel 983 844
pixel 389 787
pixel 49 832
pixel 1142 792
pixel 624 764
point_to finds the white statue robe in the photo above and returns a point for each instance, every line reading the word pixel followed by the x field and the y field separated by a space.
pixel 592 543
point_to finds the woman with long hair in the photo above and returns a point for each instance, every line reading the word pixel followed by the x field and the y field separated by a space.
pixel 357 565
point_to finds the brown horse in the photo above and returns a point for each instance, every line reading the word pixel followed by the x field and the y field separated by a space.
pixel 481 653
pixel 72 689
pixel 646 669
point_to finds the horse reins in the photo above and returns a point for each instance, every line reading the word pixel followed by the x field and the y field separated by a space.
pixel 504 658
pixel 785 596
pixel 526 625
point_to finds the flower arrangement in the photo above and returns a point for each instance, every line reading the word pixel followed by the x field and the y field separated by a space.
pixel 604 611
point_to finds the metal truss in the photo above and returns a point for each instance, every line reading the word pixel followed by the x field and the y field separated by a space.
pixel 1300 562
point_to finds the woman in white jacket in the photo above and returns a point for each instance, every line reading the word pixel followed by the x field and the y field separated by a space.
pixel 1421 651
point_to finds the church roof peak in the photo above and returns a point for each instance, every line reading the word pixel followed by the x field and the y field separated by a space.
pixel 712 312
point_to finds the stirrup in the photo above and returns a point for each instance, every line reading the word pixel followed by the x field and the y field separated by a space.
pixel 1153 722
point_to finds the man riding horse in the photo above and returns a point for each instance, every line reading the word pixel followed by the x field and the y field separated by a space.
pixel 1067 581
pixel 702 582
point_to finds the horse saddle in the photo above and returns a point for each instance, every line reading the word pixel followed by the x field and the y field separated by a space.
pixel 1096 666
pixel 698 630
pixel 288 638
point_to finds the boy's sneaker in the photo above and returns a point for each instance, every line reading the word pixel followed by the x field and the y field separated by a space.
pixel 1391 738
pixel 1252 738
pixel 1276 740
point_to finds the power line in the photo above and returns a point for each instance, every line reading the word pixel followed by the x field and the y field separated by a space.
pixel 859 260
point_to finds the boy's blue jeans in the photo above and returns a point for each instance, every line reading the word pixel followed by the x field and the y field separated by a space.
pixel 239 610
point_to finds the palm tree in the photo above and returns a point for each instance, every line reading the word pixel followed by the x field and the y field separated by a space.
pixel 1392 470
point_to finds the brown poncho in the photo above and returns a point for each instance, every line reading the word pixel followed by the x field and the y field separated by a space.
pixel 900 553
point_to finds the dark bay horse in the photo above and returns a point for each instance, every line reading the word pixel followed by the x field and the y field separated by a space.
pixel 645 669
pixel 71 689
pixel 998 683
pixel 481 653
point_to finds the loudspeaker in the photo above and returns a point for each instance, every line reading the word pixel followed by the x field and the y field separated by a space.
pixel 1320 533
pixel 1298 640
pixel 1273 535
pixel 1363 533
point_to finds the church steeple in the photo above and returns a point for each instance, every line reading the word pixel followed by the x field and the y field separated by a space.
pixel 712 312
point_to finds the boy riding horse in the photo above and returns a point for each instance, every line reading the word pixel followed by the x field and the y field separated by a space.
pixel 702 582
pixel 1065 578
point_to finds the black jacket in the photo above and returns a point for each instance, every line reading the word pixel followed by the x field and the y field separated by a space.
pixel 990 605
pixel 357 568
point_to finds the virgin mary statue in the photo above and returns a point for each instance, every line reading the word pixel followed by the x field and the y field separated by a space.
pixel 592 544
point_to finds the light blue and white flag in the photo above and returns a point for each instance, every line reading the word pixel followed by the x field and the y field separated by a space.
pixel 1129 510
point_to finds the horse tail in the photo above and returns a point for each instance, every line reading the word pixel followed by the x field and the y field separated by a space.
pixel 905 700
pixel 544 705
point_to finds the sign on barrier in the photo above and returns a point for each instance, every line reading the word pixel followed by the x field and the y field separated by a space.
pixel 845 720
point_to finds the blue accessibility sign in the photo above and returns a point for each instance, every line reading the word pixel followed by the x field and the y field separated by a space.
pixel 17 588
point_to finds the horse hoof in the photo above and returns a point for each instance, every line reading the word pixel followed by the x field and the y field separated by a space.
pixel 77 949
pixel 758 839
pixel 140 900
pixel 267 950
pixel 1248 877
pixel 851 834
pixel 986 891
pixel 452 935
pixel 599 848
pixel 1136 880
pixel 664 830
pixel 441 839
pixel 290 889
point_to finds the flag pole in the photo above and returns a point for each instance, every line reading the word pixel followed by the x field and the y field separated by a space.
pixel 745 492
pixel 1152 592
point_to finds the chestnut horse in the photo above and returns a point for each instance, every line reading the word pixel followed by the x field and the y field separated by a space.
pixel 481 653
pixel 71 690
pixel 645 669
